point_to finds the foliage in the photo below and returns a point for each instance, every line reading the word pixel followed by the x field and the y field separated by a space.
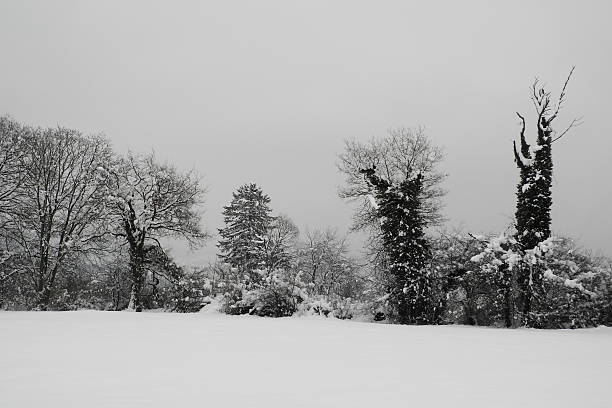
pixel 460 292
pixel 402 234
pixel 278 293
pixel 397 181
pixel 574 291
pixel 189 293
pixel 247 224
pixel 534 196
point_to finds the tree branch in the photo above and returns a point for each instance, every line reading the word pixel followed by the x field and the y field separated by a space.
pixel 575 123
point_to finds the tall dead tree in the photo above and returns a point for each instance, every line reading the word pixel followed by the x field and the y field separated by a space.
pixel 534 199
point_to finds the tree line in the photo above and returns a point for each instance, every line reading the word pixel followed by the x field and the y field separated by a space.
pixel 69 203
pixel 83 227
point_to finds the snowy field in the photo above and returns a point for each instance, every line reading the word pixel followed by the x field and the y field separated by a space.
pixel 120 359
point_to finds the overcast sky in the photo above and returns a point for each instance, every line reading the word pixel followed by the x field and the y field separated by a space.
pixel 266 92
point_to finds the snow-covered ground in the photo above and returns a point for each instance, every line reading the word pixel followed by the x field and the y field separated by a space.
pixel 118 359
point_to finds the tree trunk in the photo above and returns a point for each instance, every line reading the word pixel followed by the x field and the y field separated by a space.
pixel 469 308
pixel 138 279
pixel 43 298
pixel 508 309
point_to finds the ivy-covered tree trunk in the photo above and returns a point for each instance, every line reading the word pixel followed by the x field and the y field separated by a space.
pixel 508 288
pixel 533 209
pixel 534 197
pixel 402 228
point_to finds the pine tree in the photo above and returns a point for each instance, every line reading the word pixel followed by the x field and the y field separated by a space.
pixel 247 221
pixel 534 198
pixel 402 228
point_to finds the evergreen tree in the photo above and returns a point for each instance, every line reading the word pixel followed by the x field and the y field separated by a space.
pixel 534 198
pixel 402 229
pixel 247 222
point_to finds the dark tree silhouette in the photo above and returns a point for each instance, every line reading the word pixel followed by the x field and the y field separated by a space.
pixel 402 231
pixel 534 199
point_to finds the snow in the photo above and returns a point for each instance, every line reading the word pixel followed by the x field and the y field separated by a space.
pixel 478 258
pixel 570 283
pixel 372 201
pixel 116 359
pixel 525 160
pixel 534 149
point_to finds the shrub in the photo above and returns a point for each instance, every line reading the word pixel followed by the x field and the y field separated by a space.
pixel 316 306
pixel 189 294
pixel 277 294
pixel 574 290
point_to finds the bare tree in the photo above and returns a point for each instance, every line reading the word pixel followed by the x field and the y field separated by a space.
pixel 326 264
pixel 150 201
pixel 59 203
pixel 401 154
pixel 280 243
pixel 12 151
pixel 13 138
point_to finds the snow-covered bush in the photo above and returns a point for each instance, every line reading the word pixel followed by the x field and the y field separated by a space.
pixel 577 288
pixel 460 292
pixel 278 293
pixel 189 293
pixel 316 306
pixel 339 308
pixel 346 308
pixel 571 288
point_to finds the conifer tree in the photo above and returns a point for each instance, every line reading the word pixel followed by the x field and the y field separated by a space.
pixel 534 198
pixel 247 221
pixel 402 228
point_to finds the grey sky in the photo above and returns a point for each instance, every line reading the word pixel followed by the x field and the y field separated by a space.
pixel 266 91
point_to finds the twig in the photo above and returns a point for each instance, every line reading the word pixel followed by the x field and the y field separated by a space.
pixel 575 122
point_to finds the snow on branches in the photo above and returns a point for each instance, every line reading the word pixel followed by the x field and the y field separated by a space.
pixel 503 251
